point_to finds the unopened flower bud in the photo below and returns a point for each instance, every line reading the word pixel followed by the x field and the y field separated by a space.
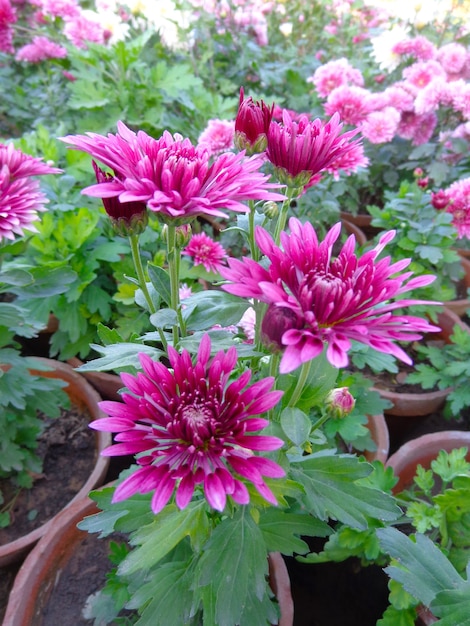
pixel 423 182
pixel 276 321
pixel 252 124
pixel 418 172
pixel 183 235
pixel 270 209
pixel 440 199
pixel 340 402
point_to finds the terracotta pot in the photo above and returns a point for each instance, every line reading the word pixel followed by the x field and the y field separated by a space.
pixel 379 433
pixel 354 229
pixel 40 572
pixel 460 307
pixel 105 383
pixel 426 402
pixel 82 394
pixel 423 450
pixel 362 221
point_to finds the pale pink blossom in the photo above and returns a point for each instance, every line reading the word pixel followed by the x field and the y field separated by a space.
pixel 418 128
pixel 205 251
pixel 461 98
pixel 458 196
pixel 218 136
pixel 194 427
pixel 381 126
pixel 453 57
pixel 436 93
pixel 66 9
pixel 335 74
pixel 418 47
pixel 40 49
pixel 80 31
pixel 422 73
pixel 351 103
pixel 316 300
pixel 247 324
pixel 399 97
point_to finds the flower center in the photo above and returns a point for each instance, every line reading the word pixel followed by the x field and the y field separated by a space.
pixel 196 416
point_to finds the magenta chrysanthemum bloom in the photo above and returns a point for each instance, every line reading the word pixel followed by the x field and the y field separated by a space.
pixel 20 194
pixel 314 299
pixel 252 124
pixel 299 150
pixel 191 426
pixel 205 251
pixel 177 180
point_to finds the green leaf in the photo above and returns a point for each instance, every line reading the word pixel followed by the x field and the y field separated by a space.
pixel 331 490
pixel 208 308
pixel 281 530
pixel 296 425
pixel 452 606
pixel 160 281
pixel 448 465
pixel 167 596
pixel 422 568
pixel 237 549
pixel 157 539
pixel 398 617
pixel 118 355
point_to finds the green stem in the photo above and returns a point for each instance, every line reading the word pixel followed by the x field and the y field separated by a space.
pixel 251 231
pixel 320 422
pixel 139 270
pixel 174 255
pixel 300 384
pixel 282 219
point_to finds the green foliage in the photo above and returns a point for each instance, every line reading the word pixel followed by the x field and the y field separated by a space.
pixel 447 367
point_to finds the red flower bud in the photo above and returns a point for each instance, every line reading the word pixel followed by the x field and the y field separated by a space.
pixel 276 321
pixel 252 124
pixel 340 402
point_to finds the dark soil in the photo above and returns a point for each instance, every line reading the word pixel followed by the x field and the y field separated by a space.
pixel 67 449
pixel 83 575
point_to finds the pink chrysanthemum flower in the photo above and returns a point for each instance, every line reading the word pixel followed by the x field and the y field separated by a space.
pixel 247 324
pixel 175 178
pixel 300 150
pixel 460 92
pixel 20 194
pixel 417 128
pixel 453 57
pixel 217 137
pixel 458 196
pixel 58 8
pixel 418 47
pixel 353 104
pixel 381 126
pixel 7 18
pixel 205 251
pixel 252 124
pixel 40 49
pixel 435 94
pixel 399 97
pixel 191 426
pixel 422 73
pixel 348 162
pixel 314 299
pixel 335 74
pixel 80 31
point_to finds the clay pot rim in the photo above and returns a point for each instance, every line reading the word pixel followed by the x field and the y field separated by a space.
pixel 14 550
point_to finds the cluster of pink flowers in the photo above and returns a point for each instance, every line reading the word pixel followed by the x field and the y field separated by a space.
pixel 20 194
pixel 456 200
pixel 69 20
pixel 435 78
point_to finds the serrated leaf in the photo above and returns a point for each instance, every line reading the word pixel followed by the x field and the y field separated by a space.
pixel 281 530
pixel 398 617
pixel 236 549
pixel 331 490
pixel 452 606
pixel 167 596
pixel 157 539
pixel 423 569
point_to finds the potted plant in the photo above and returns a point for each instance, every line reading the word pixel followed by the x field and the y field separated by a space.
pixel 224 500
pixel 33 391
